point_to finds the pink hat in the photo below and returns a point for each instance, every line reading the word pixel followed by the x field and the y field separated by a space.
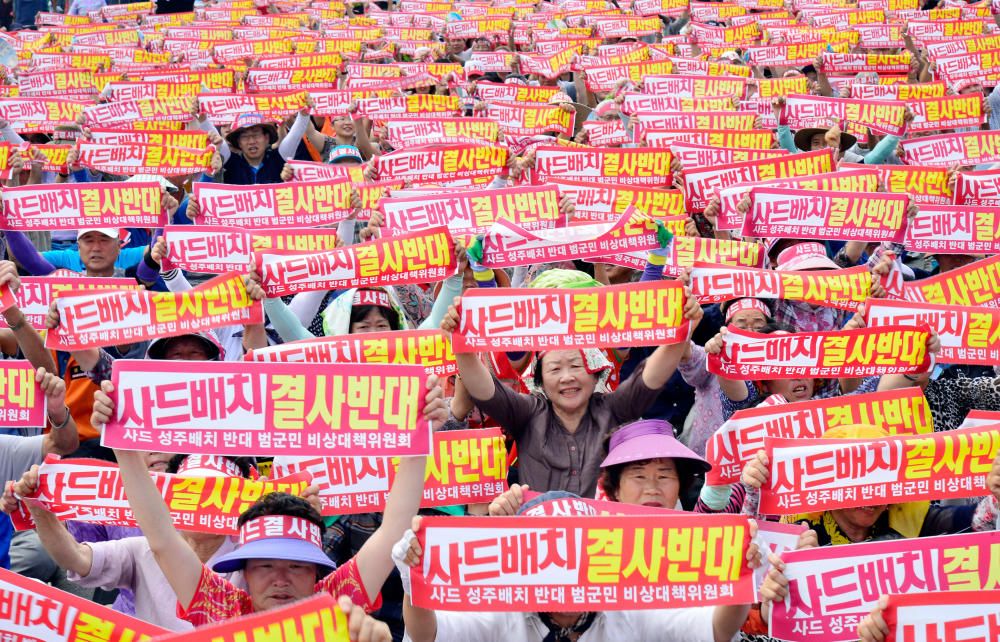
pixel 805 256
pixel 648 439
pixel 559 97
pixel 605 108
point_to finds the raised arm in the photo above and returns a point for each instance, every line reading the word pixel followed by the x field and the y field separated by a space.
pixel 662 364
pixel 28 340
pixel 374 560
pixel 179 563
pixel 60 545
pixel 476 377
pixel 63 439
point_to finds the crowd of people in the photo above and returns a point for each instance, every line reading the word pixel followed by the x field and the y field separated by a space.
pixel 529 80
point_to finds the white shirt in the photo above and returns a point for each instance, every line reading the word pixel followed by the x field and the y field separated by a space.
pixel 664 625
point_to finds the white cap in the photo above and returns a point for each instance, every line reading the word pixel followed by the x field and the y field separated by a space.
pixel 152 178
pixel 110 232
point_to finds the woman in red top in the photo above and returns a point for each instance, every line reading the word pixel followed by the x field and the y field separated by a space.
pixel 281 552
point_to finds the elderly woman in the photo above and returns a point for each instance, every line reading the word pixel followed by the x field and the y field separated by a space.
pixel 559 429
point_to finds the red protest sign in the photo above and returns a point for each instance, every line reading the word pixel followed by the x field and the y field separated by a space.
pixel 304 204
pixel 955 229
pixel 91 490
pixel 531 119
pixel 630 166
pixel 967 333
pixel 7 298
pixel 22 404
pixel 852 353
pixel 129 159
pixel 854 180
pixel 703 183
pixel 945 150
pixel 944 616
pixel 810 475
pixel 419 257
pixel 687 251
pixel 82 205
pixel 243 408
pixel 979 188
pixel 36 612
pixel 844 289
pixel 465 467
pixel 37 292
pixel 805 214
pixel 974 284
pixel 412 132
pixel 693 155
pixel 317 618
pixel 831 589
pixel 882 116
pixel 551 319
pixel 582 563
pixel 473 212
pixel 739 439
pixel 427 348
pixel 443 163
pixel 89 320
pixel 602 202
pixel 509 245
pixel 947 112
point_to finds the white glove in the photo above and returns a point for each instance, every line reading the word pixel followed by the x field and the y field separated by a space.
pixel 399 550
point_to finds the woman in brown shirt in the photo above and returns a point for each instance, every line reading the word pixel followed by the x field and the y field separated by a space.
pixel 559 430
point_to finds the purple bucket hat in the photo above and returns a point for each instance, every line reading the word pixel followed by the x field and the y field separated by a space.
pixel 649 439
pixel 276 537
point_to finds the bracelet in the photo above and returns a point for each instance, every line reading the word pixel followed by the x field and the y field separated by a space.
pixel 63 424
pixel 17 326
pixel 63 175
pixel 911 378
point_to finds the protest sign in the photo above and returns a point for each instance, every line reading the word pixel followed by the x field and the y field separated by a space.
pixel 805 214
pixel 882 116
pixel 687 251
pixel 734 444
pixel 530 120
pixel 974 284
pixel 598 202
pixel 418 257
pixel 703 183
pixel 427 348
pixel 692 155
pixel 473 212
pixel 760 139
pixel 968 334
pixel 410 132
pixel 81 206
pixel 552 319
pixel 316 618
pixel 443 163
pixel 946 112
pixel 630 166
pixel 582 563
pixel 509 245
pixel 812 475
pixel 842 180
pixel 844 289
pixel 243 408
pixel 465 467
pixel 89 320
pixel 978 188
pixel 845 353
pixel 606 133
pixel 129 159
pixel 945 150
pixel 36 292
pixel 44 114
pixel 91 490
pixel 684 86
pixel 36 612
pixel 303 204
pixel 22 403
pixel 943 615
pixel 924 185
pixel 831 589
pixel 977 418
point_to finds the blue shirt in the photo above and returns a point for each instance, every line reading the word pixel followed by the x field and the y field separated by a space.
pixel 129 257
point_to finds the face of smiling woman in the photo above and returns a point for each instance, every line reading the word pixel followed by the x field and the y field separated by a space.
pixel 566 381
